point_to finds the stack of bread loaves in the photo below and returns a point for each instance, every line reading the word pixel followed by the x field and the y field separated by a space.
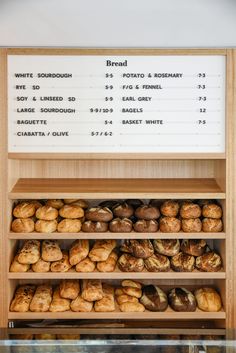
pixel 50 257
pixel 94 295
pixel 159 255
pixel 64 216
pixel 71 216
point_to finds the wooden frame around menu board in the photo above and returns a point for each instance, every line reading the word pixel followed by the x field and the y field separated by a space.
pixel 45 175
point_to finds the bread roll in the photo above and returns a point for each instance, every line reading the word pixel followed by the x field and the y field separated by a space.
pixel 69 226
pixel 209 262
pixel 99 214
pixel 180 299
pixel 22 348
pixel 22 225
pixel 51 251
pixel 170 208
pixel 45 337
pixel 69 289
pixel 58 303
pixel 129 263
pixel 119 291
pixel 193 247
pixel 23 336
pixel 212 211
pixel 124 298
pixel 208 299
pixel 30 252
pixel 143 226
pixel 62 265
pixel 141 248
pixel 70 336
pixel 47 213
pixel 110 264
pixel 102 249
pixel 42 299
pixel 132 307
pixel 132 291
pixel 68 201
pixel 79 202
pixel 79 304
pixel 157 263
pixel 182 262
pixel 85 265
pixel 79 251
pixel 42 226
pixel 55 203
pixel 169 225
pixel 212 225
pixel 24 210
pixel 147 212
pixel 154 299
pixel 22 298
pixel 36 203
pixel 217 348
pixel 92 290
pixel 16 266
pixel 131 283
pixel 167 247
pixel 190 210
pixel 118 225
pixel 109 204
pixel 191 225
pixel 41 266
pixel 71 211
pixel 107 303
pixel 94 227
pixel 135 203
pixel 123 210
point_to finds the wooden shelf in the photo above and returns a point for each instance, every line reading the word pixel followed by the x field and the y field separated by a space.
pixel 109 235
pixel 117 275
pixel 112 330
pixel 35 188
pixel 117 156
pixel 169 314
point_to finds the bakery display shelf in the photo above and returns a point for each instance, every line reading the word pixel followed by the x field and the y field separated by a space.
pixel 182 188
pixel 110 235
pixel 126 330
pixel 118 275
pixel 169 314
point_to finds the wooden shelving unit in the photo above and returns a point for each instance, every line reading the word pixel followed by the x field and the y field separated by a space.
pixel 170 176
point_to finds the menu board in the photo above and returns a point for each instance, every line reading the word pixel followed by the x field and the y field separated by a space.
pixel 116 104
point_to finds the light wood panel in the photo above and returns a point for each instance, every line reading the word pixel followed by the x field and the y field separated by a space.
pixel 230 187
pixel 119 275
pixel 3 187
pixel 39 188
pixel 232 190
pixel 169 314
pixel 112 169
pixel 115 51
pixel 109 235
pixel 116 156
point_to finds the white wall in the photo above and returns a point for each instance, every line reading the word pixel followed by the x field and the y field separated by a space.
pixel 118 23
